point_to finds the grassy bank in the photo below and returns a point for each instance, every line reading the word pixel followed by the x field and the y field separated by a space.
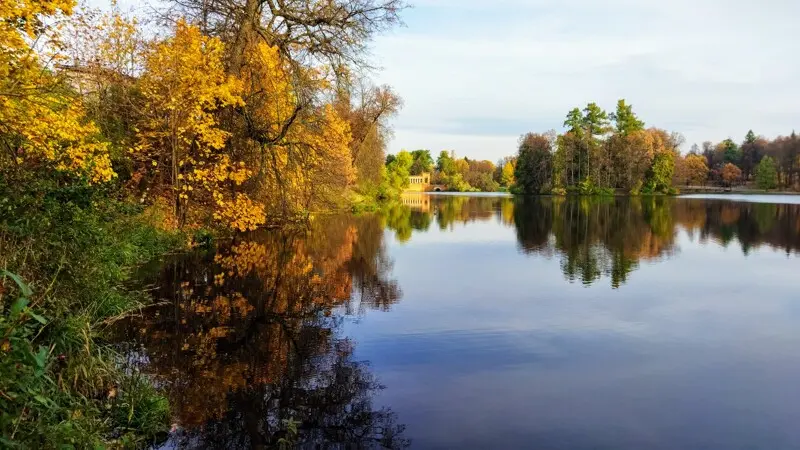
pixel 66 254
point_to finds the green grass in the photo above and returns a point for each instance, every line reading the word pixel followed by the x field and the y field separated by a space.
pixel 66 255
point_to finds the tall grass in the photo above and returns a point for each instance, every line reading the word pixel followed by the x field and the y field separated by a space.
pixel 66 256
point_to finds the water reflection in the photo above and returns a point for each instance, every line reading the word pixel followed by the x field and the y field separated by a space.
pixel 249 338
pixel 257 333
pixel 609 237
pixel 695 349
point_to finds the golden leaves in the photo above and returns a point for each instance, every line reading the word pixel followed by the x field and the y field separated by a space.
pixel 185 85
pixel 241 213
pixel 49 125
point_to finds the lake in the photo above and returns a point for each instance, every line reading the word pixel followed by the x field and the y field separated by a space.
pixel 456 322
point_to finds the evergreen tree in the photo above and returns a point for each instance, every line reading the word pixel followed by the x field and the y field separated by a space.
pixel 767 174
pixel 625 120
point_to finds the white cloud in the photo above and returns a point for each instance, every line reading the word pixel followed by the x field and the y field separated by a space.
pixel 475 75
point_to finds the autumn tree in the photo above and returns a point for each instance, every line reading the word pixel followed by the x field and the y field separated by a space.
pixel 313 49
pixel 731 174
pixel 299 147
pixel 181 145
pixel 696 169
pixel 367 109
pixel 690 169
pixel 103 57
pixel 43 124
pixel 480 175
pixel 507 173
pixel 665 149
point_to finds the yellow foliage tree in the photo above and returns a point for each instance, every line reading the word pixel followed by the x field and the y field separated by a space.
pixel 696 169
pixel 302 150
pixel 181 144
pixel 507 174
pixel 42 125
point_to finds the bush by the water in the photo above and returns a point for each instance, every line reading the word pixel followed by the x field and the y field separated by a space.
pixel 65 255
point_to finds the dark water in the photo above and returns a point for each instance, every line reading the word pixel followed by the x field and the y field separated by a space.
pixel 489 322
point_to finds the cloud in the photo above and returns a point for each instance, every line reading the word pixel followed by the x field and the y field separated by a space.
pixel 475 75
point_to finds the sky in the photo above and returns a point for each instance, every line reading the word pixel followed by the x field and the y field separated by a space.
pixel 476 74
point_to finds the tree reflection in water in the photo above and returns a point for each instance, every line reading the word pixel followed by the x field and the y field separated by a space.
pixel 250 335
pixel 596 237
pixel 248 338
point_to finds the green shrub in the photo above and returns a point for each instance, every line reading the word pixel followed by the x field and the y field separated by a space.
pixel 76 247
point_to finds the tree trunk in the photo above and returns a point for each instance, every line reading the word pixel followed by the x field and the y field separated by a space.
pixel 246 30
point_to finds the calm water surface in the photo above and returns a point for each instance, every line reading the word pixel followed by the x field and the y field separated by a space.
pixel 488 322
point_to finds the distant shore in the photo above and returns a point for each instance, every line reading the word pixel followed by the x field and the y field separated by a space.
pixel 734 191
pixel 683 192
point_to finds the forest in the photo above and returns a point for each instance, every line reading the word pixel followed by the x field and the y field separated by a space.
pixel 124 137
pixel 603 153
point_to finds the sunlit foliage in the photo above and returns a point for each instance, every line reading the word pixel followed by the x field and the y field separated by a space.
pixel 597 155
pixel 181 145
pixel 42 123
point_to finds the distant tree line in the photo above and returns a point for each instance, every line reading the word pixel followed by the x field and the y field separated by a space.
pixel 769 164
pixel 456 174
pixel 602 153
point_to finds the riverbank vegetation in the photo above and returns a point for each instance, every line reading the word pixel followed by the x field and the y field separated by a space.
pixel 119 144
pixel 603 153
pixel 455 174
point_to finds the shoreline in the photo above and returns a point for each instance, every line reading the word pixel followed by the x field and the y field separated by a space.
pixel 682 193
